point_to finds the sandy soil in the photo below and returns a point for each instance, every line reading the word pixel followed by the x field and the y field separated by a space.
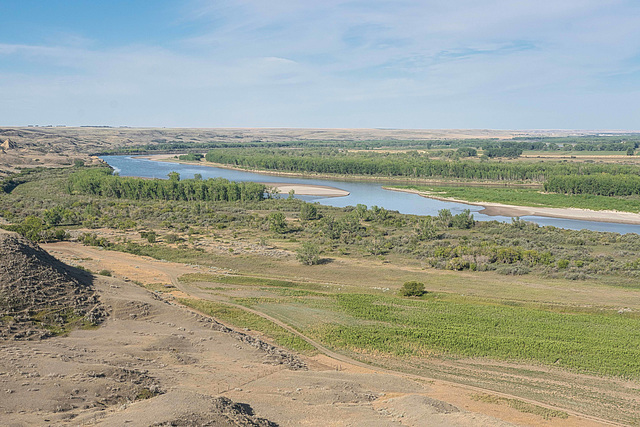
pixel 497 209
pixel 167 347
pixel 308 189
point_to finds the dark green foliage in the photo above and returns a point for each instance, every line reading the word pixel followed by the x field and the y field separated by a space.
pixel 412 289
pixel 105 273
pixel 463 220
pixel 506 149
pixel 191 157
pixel 618 142
pixel 90 239
pixel 467 152
pixel 308 212
pixel 100 182
pixel 601 184
pixel 277 222
pixel 34 229
pixel 151 236
pixel 407 164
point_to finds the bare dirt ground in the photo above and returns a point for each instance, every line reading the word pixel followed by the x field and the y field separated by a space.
pixel 94 376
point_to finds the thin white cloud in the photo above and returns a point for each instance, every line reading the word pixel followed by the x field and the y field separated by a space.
pixel 298 63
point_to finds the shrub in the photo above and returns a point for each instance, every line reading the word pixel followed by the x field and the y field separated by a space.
pixel 105 273
pixel 277 222
pixel 172 238
pixel 308 212
pixel 412 289
pixel 308 254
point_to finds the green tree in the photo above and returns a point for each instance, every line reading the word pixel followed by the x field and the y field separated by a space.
pixel 308 212
pixel 463 220
pixel 54 215
pixel 277 222
pixel 412 289
pixel 444 218
pixel 426 229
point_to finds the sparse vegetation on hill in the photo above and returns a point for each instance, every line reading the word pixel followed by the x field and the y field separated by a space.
pixel 39 295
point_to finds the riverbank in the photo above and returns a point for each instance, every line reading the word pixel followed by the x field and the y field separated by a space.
pixel 498 209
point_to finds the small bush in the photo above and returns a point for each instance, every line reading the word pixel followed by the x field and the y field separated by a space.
pixel 172 238
pixel 308 254
pixel 412 289
pixel 105 273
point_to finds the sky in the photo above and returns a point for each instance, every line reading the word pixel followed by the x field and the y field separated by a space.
pixel 429 64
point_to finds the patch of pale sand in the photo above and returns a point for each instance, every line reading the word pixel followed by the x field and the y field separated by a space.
pixel 498 209
pixel 337 365
pixel 308 189
pixel 493 209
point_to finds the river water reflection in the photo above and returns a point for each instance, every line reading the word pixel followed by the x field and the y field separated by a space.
pixel 367 193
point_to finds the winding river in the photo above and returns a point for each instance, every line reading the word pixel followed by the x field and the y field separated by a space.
pixel 367 193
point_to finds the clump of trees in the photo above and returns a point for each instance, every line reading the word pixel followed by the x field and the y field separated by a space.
pixel 411 164
pixel 191 157
pixel 101 182
pixel 601 184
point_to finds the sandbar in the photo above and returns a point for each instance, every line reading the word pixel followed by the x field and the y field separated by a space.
pixel 308 189
pixel 498 209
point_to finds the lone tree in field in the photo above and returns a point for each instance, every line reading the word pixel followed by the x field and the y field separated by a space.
pixel 308 254
pixel 412 289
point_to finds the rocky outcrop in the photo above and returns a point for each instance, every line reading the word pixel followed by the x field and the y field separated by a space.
pixel 8 145
pixel 40 295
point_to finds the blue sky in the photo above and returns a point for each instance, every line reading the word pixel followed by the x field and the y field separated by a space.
pixel 501 64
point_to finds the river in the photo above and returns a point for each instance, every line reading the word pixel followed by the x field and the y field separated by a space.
pixel 367 193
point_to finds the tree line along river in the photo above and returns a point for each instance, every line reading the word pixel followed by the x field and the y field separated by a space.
pixel 367 193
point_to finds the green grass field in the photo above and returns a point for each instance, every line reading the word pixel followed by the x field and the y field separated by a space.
pixel 577 338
